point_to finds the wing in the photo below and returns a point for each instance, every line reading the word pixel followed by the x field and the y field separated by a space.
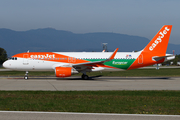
pixel 89 65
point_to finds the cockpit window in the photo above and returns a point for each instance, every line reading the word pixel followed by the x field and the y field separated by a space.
pixel 13 58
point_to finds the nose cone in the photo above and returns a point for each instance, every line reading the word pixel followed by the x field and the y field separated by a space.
pixel 5 64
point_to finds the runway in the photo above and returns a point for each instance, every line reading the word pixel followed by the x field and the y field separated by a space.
pixel 22 115
pixel 95 83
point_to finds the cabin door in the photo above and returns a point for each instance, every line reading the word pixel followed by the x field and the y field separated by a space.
pixel 140 59
pixel 25 59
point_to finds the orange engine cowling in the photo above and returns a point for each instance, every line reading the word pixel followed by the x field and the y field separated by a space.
pixel 64 71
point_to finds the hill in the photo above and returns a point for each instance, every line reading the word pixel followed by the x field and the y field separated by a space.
pixel 49 39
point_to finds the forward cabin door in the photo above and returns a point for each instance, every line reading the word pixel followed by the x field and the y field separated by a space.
pixel 25 59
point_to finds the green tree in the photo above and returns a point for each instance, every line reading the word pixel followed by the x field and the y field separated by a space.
pixel 3 56
pixel 177 59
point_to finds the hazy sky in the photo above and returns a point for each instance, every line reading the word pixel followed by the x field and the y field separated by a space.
pixel 133 17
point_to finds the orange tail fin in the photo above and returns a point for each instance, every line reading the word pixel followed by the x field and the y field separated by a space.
pixel 156 47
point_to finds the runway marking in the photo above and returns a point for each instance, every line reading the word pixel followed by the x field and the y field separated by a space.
pixel 76 113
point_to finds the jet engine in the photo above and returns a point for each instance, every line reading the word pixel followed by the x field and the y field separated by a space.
pixel 65 71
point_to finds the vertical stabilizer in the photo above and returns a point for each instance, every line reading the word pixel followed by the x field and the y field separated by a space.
pixel 158 45
pixel 156 48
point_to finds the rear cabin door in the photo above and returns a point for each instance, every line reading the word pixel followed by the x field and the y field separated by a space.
pixel 140 59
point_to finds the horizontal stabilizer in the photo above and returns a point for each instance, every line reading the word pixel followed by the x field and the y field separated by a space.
pixel 161 57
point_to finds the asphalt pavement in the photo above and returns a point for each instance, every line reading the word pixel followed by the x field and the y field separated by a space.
pixel 29 115
pixel 95 83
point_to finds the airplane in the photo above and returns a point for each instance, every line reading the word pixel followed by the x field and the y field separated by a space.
pixel 67 63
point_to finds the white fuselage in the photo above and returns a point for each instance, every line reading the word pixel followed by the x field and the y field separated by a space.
pixel 42 64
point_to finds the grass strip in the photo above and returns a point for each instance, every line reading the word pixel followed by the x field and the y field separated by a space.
pixel 127 102
pixel 171 72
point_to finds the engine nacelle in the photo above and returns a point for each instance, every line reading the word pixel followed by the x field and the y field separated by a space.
pixel 64 71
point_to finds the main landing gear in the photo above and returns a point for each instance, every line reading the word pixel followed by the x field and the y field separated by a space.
pixel 26 75
pixel 85 77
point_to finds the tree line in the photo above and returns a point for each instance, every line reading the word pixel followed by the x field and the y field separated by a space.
pixel 3 55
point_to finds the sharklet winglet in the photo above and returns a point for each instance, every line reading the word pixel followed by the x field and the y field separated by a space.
pixel 99 62
pixel 114 53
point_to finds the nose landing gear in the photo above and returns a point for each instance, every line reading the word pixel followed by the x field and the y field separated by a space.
pixel 26 75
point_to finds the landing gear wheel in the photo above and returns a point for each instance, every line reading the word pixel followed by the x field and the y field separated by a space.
pixel 85 77
pixel 25 77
